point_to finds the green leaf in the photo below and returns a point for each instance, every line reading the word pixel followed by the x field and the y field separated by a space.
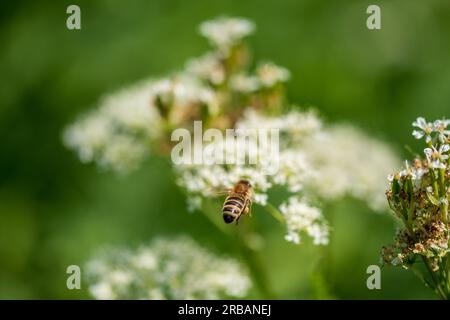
pixel 433 199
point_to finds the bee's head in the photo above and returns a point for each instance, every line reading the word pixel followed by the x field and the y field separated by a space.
pixel 246 183
pixel 243 186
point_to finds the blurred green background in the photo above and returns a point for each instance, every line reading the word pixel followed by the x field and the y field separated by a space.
pixel 54 211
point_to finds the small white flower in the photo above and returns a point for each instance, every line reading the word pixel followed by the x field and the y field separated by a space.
pixel 194 203
pixel 102 291
pixel 293 237
pixel 182 93
pixel 207 67
pixel 88 136
pixel 120 277
pixel 244 83
pixel 260 198
pixel 426 129
pixel 437 158
pixel 225 32
pixel 440 126
pixel 412 172
pixel 269 74
pixel 145 259
pixel 123 154
pixel 398 260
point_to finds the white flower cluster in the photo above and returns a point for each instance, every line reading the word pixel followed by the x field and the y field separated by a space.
pixel 318 161
pixel 301 217
pixel 166 269
pixel 116 135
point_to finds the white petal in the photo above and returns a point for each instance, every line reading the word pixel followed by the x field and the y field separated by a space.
pixel 417 134
pixel 444 148
pixel 428 152
pixel 420 123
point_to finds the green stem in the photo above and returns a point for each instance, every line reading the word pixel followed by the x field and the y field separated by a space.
pixel 218 224
pixel 420 275
pixel 437 285
pixel 275 213
pixel 255 264
pixel 252 259
pixel 448 272
pixel 444 205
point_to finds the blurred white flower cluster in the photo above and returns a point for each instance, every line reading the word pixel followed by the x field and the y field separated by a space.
pixel 129 123
pixel 166 269
pixel 350 162
pixel 118 133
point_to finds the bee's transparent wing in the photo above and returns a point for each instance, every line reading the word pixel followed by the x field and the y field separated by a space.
pixel 220 193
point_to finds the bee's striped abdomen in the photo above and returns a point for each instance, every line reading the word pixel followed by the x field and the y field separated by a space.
pixel 233 207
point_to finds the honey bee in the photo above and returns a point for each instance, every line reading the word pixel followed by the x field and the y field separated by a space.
pixel 238 201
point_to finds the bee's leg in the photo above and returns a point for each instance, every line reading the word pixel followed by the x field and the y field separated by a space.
pixel 249 208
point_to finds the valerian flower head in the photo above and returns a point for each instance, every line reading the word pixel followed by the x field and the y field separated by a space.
pixel 166 269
